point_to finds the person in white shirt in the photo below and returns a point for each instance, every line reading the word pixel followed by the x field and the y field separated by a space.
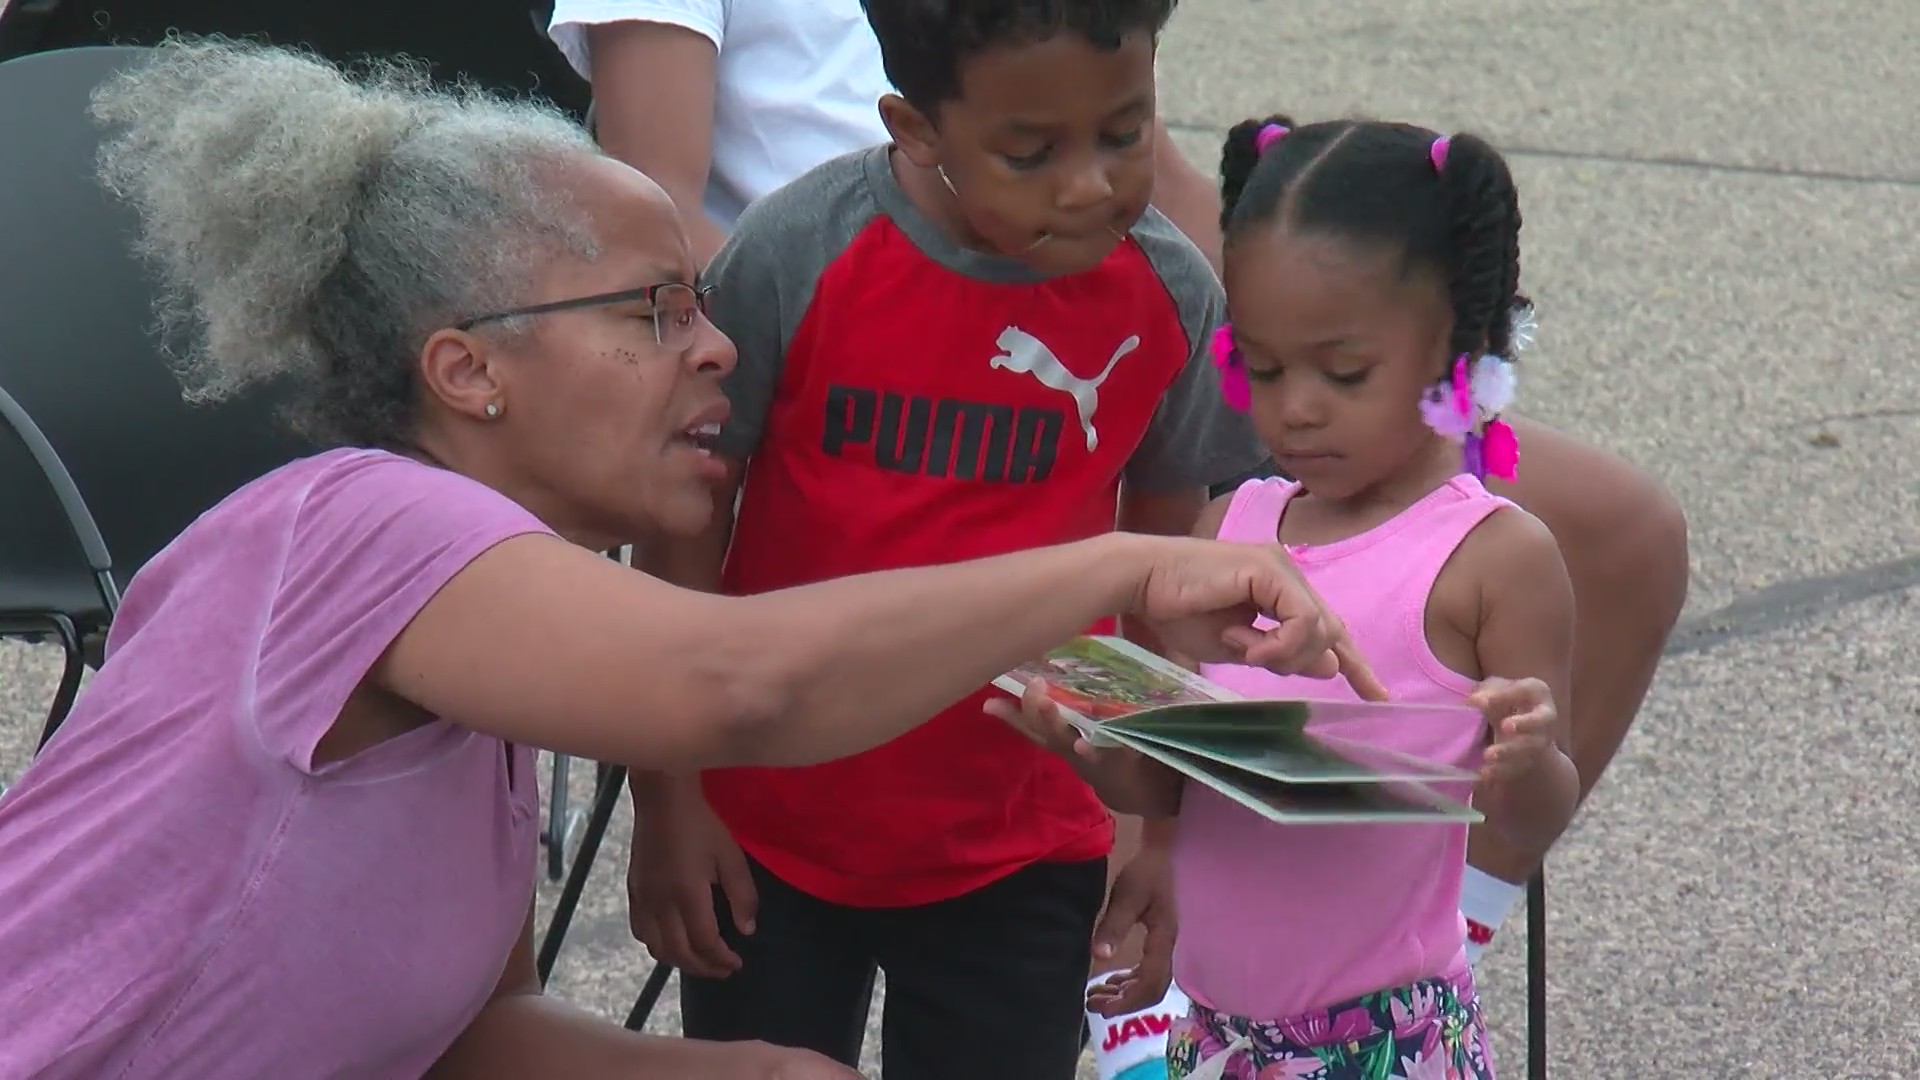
pixel 787 84
pixel 723 101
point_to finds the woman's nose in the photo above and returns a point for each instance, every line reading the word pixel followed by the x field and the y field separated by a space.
pixel 712 351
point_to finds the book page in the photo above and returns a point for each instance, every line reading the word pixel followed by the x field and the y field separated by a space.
pixel 1311 804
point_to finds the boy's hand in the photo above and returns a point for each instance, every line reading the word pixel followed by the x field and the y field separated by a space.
pixel 1142 895
pixel 1037 716
pixel 1521 720
pixel 681 851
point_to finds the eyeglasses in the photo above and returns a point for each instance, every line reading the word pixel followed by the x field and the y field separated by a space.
pixel 677 310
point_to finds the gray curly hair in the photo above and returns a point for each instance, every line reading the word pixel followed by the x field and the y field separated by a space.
pixel 314 224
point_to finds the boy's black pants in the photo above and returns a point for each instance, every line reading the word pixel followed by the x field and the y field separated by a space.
pixel 988 984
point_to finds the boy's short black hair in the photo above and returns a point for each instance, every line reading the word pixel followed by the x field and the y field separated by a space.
pixel 923 43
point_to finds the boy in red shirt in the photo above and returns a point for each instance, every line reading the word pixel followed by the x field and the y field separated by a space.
pixel 974 339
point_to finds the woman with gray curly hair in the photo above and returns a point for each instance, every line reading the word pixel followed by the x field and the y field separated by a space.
pixel 290 830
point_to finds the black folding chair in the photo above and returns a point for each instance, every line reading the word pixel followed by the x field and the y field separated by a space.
pixel 55 577
pixel 95 420
pixel 130 463
pixel 1537 976
pixel 609 784
pixel 502 52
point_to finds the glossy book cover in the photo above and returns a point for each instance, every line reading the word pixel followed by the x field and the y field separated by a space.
pixel 1284 759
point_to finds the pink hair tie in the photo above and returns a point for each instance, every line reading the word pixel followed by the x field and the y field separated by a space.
pixel 1269 135
pixel 1233 372
pixel 1437 153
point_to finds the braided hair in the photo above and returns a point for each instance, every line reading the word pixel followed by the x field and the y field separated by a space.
pixel 1378 183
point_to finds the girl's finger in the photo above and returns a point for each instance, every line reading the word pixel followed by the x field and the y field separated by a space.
pixel 1536 721
pixel 1487 693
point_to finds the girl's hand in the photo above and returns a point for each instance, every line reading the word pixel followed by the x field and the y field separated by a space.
pixel 1521 722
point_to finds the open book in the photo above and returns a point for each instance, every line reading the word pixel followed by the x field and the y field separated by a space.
pixel 1257 753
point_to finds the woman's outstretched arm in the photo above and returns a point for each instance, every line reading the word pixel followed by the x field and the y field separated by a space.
pixel 544 643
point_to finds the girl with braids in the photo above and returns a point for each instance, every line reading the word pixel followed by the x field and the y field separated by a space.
pixel 1371 273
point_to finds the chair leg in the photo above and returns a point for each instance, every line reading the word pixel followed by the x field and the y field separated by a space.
pixel 606 796
pixel 559 829
pixel 1537 976
pixel 649 995
pixel 69 688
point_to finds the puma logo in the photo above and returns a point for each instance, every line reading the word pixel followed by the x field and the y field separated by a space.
pixel 1022 352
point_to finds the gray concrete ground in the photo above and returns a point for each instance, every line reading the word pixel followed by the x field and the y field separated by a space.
pixel 1723 213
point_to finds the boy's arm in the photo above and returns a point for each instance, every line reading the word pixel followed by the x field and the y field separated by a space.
pixel 1526 631
pixel 654 66
pixel 763 276
pixel 1171 513
pixel 1195 439
pixel 747 308
pixel 1132 783
pixel 693 562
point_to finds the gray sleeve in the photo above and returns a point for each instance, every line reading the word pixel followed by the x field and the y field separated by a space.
pixel 764 278
pixel 1194 440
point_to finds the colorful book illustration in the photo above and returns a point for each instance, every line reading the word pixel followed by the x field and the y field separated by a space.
pixel 1261 754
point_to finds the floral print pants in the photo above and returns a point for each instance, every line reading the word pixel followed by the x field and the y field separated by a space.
pixel 1430 1030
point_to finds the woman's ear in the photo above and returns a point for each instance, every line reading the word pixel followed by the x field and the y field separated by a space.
pixel 911 130
pixel 454 371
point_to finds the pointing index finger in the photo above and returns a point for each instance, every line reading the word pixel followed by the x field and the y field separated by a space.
pixel 1358 673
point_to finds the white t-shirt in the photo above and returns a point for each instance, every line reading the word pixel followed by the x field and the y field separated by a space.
pixel 798 83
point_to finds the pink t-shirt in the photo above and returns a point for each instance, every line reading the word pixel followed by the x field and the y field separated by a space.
pixel 1276 922
pixel 183 896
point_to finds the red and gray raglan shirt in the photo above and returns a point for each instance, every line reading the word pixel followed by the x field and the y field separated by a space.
pixel 903 401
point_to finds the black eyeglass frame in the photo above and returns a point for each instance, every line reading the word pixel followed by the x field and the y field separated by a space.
pixel 649 293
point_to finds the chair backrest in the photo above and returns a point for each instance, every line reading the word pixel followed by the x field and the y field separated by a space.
pixel 51 555
pixel 20 24
pixel 77 349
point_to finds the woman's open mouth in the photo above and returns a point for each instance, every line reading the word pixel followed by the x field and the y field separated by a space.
pixel 701 437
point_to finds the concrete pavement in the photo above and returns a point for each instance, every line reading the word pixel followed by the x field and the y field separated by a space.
pixel 1722 206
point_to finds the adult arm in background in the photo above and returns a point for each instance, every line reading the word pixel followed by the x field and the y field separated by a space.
pixel 681 850
pixel 1187 196
pixel 521 1033
pixel 1623 538
pixel 653 92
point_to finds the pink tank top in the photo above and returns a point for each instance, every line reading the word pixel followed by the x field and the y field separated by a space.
pixel 1277 921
